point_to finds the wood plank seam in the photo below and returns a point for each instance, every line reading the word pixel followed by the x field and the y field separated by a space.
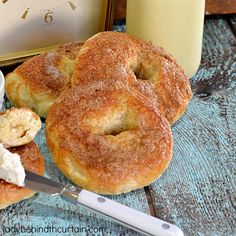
pixel 150 201
pixel 232 26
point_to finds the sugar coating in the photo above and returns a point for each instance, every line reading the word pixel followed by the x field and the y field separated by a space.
pixel 115 135
pixel 118 56
pixel 40 80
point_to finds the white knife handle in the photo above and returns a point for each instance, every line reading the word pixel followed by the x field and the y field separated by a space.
pixel 127 216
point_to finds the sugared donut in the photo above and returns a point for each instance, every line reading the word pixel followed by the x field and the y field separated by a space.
pixel 32 160
pixel 117 56
pixel 108 138
pixel 39 81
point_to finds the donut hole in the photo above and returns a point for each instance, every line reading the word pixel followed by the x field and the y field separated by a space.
pixel 113 122
pixel 116 131
pixel 117 127
pixel 142 71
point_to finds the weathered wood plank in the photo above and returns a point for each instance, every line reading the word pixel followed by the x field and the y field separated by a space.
pixel 198 191
pixel 220 6
pixel 120 10
pixel 232 23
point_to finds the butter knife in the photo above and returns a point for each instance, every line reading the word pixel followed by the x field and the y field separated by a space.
pixel 126 216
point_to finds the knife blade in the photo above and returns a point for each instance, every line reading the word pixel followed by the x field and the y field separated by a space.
pixel 124 215
pixel 41 184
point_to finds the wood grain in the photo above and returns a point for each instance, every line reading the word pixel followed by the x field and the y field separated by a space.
pixel 220 7
pixel 232 23
pixel 120 10
pixel 198 191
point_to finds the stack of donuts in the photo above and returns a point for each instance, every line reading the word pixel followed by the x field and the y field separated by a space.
pixel 108 109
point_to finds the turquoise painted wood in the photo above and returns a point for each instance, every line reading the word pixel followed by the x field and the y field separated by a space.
pixel 197 192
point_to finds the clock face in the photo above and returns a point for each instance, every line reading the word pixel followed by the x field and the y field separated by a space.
pixel 46 7
pixel 34 24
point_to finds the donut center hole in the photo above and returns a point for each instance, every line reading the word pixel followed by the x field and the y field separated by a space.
pixel 116 131
pixel 117 128
pixel 119 122
pixel 142 71
pixel 114 122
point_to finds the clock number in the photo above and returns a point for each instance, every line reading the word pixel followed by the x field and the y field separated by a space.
pixel 25 14
pixel 72 5
pixel 48 17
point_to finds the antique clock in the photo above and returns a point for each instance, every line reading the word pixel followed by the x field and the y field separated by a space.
pixel 30 26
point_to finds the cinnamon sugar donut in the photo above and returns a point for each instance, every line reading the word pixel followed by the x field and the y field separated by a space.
pixel 31 160
pixel 39 81
pixel 108 138
pixel 117 56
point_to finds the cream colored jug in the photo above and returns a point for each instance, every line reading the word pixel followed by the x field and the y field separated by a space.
pixel 175 25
